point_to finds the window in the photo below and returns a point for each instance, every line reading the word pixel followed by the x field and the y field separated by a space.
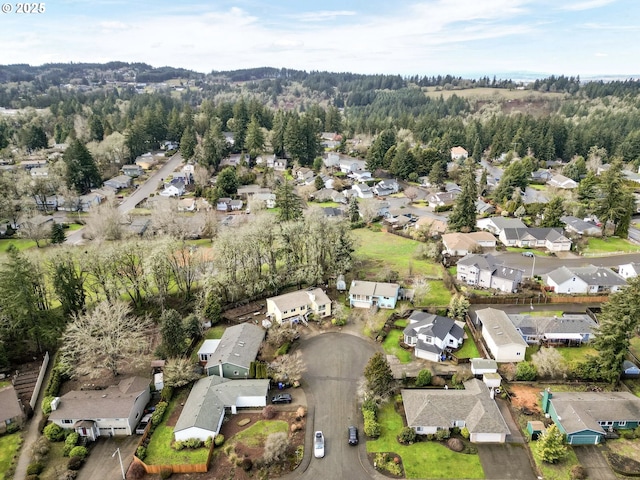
pixel 236 373
pixel 622 424
pixel 322 307
pixel 285 312
pixel 518 354
pixel 418 429
pixel 67 422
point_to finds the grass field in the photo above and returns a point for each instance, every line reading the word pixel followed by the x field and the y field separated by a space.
pixel 422 459
pixel 575 355
pixel 469 348
pixel 257 434
pixel 543 313
pixel 20 243
pixel 9 446
pixel 609 245
pixel 491 93
pixel 382 250
pixel 635 346
pixel 437 295
pixel 392 347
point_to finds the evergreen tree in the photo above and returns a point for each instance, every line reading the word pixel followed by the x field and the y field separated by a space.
pixel 463 217
pixel 310 138
pixel 403 163
pixel 550 446
pixel 293 142
pixel 188 143
pixel 255 139
pixel 588 188
pixel 227 182
pixel 288 202
pixel 35 138
pixel 438 174
pixel 81 170
pixel 482 186
pixel 58 235
pixel 615 200
pixel 277 134
pixel 379 148
pixel 378 376
pixel 319 183
pixel 214 145
pixel 172 332
pixel 354 210
pixel 239 125
pixel 552 213
pixel 68 283
pixel 212 310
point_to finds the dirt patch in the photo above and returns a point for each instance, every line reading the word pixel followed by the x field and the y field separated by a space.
pixel 525 397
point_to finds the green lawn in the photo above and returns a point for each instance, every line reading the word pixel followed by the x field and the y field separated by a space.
pixel 392 347
pixel 610 244
pixel 422 459
pixel 469 348
pixel 20 243
pixel 382 250
pixel 558 471
pixel 159 451
pixel 535 186
pixel 9 446
pixel 575 355
pixel 437 295
pixel 256 434
pixel 635 346
pixel 326 204
pixel 202 242
pixel 401 322
pixel 74 226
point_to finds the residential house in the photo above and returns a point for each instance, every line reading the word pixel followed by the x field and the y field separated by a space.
pixel 629 270
pixel 431 410
pixel 360 175
pixel 11 411
pixel 146 161
pixel 305 175
pixel 92 199
pixel 236 205
pixel 630 369
pixel 566 330
pixel 39 172
pixel 586 417
pixel 280 164
pixel 459 153
pixel 386 187
pixel 224 204
pixel 581 227
pixel 238 347
pixel 452 187
pixel 381 207
pixel 327 181
pixel 484 208
pixel 169 145
pixel 209 400
pixel 550 238
pixel 495 225
pixel 36 222
pixel 181 176
pixel 541 175
pixel 589 279
pixel 138 225
pixel 269 199
pixel 348 165
pixel 362 190
pixel 363 294
pixel 174 189
pixel 50 203
pixel 631 176
pixel 328 195
pixel 119 182
pixel 207 350
pixel 482 366
pixel 486 272
pixel 500 335
pixel 460 244
pixel 332 160
pixel 115 410
pixel 187 205
pixel 31 164
pixel 435 226
pixel 333 212
pixel 442 199
pixel 560 181
pixel 397 221
pixel 132 170
pixel 431 335
pixel 296 305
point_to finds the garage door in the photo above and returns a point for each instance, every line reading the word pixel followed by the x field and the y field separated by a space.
pixel 251 401
pixel 584 439
pixel 487 437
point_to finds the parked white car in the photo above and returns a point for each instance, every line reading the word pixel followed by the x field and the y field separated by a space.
pixel 318 445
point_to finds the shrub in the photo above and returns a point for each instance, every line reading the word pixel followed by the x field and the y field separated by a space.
pixel 79 451
pixel 166 394
pixel 46 405
pixel 35 468
pixel 246 464
pixel 424 378
pixel 407 436
pixel 369 405
pixel 178 445
pixel 54 432
pixel 208 442
pixel 338 322
pixel 166 473
pixel 275 447
pixel 43 423
pixel 218 440
pixel 465 433
pixel 372 427
pixel 156 417
pixel 141 452
pixel 438 381
pixel 526 371
pixel 578 472
pixel 40 449
pixel 32 477
pixel 75 462
pixel 193 443
pixel 283 350
pixel 268 412
pixel 442 434
pixel 70 442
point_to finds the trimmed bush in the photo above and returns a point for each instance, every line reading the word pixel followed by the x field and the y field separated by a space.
pixel 442 434
pixel 79 451
pixel 141 452
pixel 53 432
pixel 465 432
pixel 46 405
pixel 218 440
pixel 166 394
pixel 424 378
pixel 35 468
pixel 75 463
pixel 526 371
pixel 70 442
pixel 158 415
pixel 208 442
pixel 407 436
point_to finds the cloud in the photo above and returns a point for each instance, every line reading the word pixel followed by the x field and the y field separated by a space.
pixel 322 15
pixel 586 5
pixel 113 25
pixel 601 54
pixel 607 26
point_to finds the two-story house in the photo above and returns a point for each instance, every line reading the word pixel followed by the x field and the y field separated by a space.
pixel 486 272
pixel 293 306
pixel 363 294
pixel 431 335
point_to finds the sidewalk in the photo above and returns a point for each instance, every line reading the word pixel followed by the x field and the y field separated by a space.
pixel 30 433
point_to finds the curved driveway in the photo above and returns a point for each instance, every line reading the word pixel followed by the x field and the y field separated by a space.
pixel 335 364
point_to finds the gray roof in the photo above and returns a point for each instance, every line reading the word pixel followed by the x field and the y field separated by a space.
pixel 374 289
pixel 490 263
pixel 239 345
pixel 440 408
pixel 505 222
pixel 9 403
pixel 299 298
pixel 550 234
pixel 432 325
pixel 578 225
pixel 484 364
pixel 583 410
pixel 484 207
pixel 116 401
pixel 570 323
pixel 590 274
pixel 215 393
pixel 499 327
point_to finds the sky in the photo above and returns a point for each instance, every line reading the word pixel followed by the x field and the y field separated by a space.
pixel 406 37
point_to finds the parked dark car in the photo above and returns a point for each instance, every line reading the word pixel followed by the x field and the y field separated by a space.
pixel 281 398
pixel 353 435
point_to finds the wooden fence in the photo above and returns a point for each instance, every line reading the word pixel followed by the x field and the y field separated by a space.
pixel 535 300
pixel 178 468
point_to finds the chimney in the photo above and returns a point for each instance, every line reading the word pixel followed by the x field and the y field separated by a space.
pixel 54 403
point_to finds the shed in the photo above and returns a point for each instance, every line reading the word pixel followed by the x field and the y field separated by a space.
pixel 535 428
pixel 492 380
pixel 480 366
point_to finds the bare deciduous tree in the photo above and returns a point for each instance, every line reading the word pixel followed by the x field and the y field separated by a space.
pixel 107 337
pixel 279 334
pixel 288 368
pixel 275 447
pixel 179 372
pixel 411 193
pixel 549 363
pixel 104 222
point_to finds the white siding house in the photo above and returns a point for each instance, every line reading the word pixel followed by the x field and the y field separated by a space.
pixel 502 338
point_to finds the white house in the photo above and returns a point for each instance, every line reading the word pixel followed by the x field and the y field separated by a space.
pixel 459 153
pixel 460 244
pixel 295 305
pixel 431 335
pixel 172 190
pixel 206 351
pixel 210 398
pixel 589 279
pixel 629 270
pixel 550 238
pixel 495 225
pixel 503 340
pixel 482 366
pixel 360 175
pixel 485 271
pixel 362 190
pixel 560 181
pixel 386 187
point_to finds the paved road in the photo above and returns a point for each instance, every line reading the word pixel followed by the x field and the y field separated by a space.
pixel 144 190
pixel 335 362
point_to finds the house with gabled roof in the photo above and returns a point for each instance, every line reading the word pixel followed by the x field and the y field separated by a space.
pixel 589 279
pixel 586 417
pixel 291 307
pixel 442 199
pixel 431 335
pixel 495 225
pixel 566 330
pixel 580 227
pixel 500 335
pixel 435 226
pixel 238 347
pixel 362 190
pixel 486 271
pixel 119 182
pixel 430 410
pixel 629 270
pixel 209 400
pixel 560 181
pixel 386 187
pixel 364 294
pixel 115 410
pixel 550 238
pixel 11 411
pixel 459 153
pixel 484 208
pixel 460 244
